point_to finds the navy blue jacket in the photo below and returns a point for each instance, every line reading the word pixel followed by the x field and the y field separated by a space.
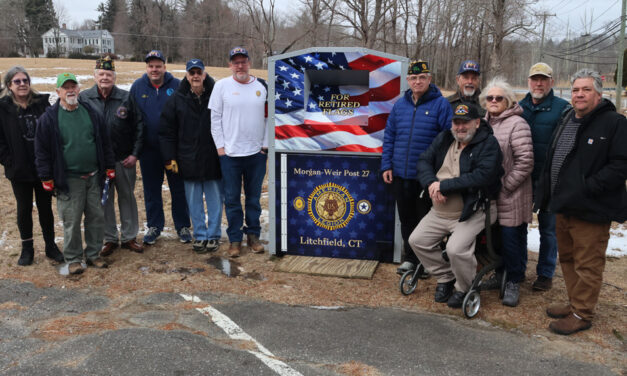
pixel 410 129
pixel 49 147
pixel 150 101
pixel 542 119
pixel 185 133
pixel 480 168
pixel 591 182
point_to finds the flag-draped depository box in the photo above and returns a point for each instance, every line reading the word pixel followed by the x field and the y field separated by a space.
pixel 327 110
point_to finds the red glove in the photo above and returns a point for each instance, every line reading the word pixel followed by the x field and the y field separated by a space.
pixel 48 185
pixel 111 173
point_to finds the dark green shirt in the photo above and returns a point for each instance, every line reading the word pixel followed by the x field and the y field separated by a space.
pixel 79 145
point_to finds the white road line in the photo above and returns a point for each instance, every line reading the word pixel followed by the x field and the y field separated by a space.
pixel 4 238
pixel 235 332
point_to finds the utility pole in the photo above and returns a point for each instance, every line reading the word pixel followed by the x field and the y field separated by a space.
pixel 621 53
pixel 544 16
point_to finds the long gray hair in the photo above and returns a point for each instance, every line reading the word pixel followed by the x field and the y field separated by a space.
pixel 8 78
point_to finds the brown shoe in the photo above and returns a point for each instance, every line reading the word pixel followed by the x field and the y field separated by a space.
pixel 98 262
pixel 75 268
pixel 108 248
pixel 235 249
pixel 569 325
pixel 254 244
pixel 558 311
pixel 133 245
pixel 542 283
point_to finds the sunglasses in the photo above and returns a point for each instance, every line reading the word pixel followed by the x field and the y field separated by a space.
pixel 22 81
pixel 495 98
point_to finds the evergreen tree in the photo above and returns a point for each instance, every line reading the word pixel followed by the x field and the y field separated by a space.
pixel 108 11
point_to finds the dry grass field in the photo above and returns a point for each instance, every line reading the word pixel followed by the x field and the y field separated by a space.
pixel 170 266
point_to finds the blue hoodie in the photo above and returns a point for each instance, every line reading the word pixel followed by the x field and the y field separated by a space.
pixel 151 100
pixel 410 129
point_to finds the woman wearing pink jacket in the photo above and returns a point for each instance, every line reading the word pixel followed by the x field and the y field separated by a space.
pixel 515 199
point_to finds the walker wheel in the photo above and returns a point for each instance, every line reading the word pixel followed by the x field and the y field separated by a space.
pixel 471 304
pixel 408 282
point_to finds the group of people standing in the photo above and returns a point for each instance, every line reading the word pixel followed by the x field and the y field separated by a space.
pixel 209 138
pixel 452 160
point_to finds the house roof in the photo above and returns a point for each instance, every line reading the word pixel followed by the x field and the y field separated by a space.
pixel 82 33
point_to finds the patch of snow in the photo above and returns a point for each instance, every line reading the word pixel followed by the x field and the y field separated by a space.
pixel 616 246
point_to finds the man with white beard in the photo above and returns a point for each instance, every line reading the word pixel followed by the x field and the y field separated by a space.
pixel 462 172
pixel 468 83
pixel 73 156
pixel 542 110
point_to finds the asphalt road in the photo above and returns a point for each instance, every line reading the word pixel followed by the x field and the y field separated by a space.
pixel 52 331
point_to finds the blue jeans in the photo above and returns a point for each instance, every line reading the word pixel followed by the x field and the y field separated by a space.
pixel 212 192
pixel 547 257
pixel 151 166
pixel 251 170
pixel 514 251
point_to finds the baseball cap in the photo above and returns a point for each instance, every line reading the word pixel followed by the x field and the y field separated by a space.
pixel 469 66
pixel 64 77
pixel 542 69
pixel 418 66
pixel 238 51
pixel 105 63
pixel 194 63
pixel 155 54
pixel 466 112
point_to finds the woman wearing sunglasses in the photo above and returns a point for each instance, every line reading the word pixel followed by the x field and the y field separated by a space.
pixel 20 106
pixel 515 199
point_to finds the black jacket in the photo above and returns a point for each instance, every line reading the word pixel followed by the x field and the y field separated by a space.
pixel 122 118
pixel 49 147
pixel 480 168
pixel 591 182
pixel 185 133
pixel 16 157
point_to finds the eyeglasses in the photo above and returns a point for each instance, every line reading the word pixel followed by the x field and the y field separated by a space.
pixel 495 98
pixel 22 81
pixel 195 72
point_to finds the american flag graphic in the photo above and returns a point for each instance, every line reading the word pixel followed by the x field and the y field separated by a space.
pixel 356 128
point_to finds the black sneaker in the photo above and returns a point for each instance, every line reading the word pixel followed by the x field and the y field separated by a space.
pixel 492 283
pixel 542 283
pixel 443 291
pixel 512 293
pixel 456 300
pixel 199 246
pixel 212 245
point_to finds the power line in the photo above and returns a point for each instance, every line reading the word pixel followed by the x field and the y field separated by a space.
pixel 578 61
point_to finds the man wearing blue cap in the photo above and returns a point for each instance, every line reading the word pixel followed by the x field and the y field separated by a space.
pixel 238 125
pixel 467 86
pixel 151 91
pixel 188 148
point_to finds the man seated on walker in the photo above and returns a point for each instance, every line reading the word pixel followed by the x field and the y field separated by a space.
pixel 461 171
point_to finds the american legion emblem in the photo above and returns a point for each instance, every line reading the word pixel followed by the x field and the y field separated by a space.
pixel 330 206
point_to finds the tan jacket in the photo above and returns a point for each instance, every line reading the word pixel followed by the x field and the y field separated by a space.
pixel 516 197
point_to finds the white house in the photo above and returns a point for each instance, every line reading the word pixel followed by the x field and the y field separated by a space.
pixel 66 41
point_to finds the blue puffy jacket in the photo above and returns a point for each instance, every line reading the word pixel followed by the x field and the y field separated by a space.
pixel 151 100
pixel 542 120
pixel 411 128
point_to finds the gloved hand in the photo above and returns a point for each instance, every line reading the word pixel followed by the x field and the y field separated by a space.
pixel 110 173
pixel 172 166
pixel 48 185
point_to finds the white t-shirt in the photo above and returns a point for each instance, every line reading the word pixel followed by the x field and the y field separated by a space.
pixel 238 116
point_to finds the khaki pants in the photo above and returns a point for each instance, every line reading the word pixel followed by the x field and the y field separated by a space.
pixel 425 241
pixel 581 250
pixel 83 197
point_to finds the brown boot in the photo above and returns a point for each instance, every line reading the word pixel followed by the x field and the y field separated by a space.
pixel 108 248
pixel 558 311
pixel 569 325
pixel 235 249
pixel 254 244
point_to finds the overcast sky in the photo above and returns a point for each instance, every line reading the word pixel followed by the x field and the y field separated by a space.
pixel 571 13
